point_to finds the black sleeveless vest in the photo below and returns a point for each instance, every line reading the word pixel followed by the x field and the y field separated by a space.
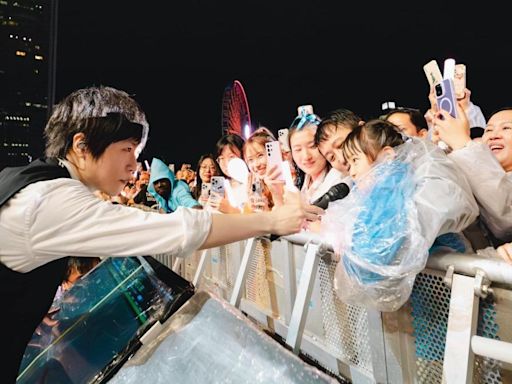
pixel 26 297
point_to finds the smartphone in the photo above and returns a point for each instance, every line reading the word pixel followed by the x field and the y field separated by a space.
pixel 433 73
pixel 303 110
pixel 217 186
pixel 256 197
pixel 445 96
pixel 459 80
pixel 282 137
pixel 274 155
pixel 205 190
pixel 449 69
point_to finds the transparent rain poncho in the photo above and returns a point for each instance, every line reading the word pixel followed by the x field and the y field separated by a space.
pixel 384 228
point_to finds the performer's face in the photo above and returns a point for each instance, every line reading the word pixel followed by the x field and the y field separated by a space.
pixel 113 169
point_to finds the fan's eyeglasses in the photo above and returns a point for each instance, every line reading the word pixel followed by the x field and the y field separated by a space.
pixel 301 121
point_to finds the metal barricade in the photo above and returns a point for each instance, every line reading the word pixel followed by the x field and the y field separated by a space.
pixel 455 327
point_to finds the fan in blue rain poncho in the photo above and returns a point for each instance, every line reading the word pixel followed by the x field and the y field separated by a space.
pixel 169 192
pixel 407 195
pixel 379 230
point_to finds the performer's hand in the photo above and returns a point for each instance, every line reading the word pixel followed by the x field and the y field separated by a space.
pixel 289 218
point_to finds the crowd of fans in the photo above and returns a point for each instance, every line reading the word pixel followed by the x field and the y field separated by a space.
pixel 446 187
pixel 319 156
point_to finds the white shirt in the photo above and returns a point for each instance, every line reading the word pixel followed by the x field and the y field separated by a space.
pixel 51 219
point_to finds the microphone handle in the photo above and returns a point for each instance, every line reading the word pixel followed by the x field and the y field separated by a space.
pixel 274 237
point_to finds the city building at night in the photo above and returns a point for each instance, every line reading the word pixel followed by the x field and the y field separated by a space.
pixel 26 77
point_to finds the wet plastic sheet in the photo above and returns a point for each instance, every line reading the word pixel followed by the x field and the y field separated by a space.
pixel 209 341
pixel 99 322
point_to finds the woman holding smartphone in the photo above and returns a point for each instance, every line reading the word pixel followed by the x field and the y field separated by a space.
pixel 207 167
pixel 261 197
pixel 319 175
pixel 230 146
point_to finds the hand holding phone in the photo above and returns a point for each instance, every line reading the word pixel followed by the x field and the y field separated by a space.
pixel 274 155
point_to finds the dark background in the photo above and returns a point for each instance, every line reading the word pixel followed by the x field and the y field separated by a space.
pixel 176 58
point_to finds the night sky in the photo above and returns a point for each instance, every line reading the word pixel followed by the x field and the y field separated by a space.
pixel 355 55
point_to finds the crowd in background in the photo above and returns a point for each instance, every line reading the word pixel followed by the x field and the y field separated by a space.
pixel 458 162
pixel 319 156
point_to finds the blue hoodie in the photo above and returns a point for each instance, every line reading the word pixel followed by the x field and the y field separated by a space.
pixel 180 192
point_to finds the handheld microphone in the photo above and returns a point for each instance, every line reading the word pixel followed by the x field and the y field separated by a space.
pixel 336 192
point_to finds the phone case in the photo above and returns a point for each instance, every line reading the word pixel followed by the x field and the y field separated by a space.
pixel 459 80
pixel 445 95
pixel 205 190
pixel 282 136
pixel 257 187
pixel 256 197
pixel 218 185
pixel 433 73
pixel 303 110
pixel 274 155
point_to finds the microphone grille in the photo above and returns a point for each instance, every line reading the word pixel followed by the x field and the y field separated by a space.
pixel 339 190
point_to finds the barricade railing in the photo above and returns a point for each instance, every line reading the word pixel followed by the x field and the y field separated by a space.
pixel 455 327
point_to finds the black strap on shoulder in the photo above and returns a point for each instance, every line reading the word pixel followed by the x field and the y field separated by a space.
pixel 26 297
pixel 13 179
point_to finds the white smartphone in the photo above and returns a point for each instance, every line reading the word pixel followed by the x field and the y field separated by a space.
pixel 282 137
pixel 274 155
pixel 287 175
pixel 217 186
pixel 205 190
pixel 449 69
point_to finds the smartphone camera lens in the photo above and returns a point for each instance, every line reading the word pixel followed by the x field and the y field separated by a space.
pixel 439 90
